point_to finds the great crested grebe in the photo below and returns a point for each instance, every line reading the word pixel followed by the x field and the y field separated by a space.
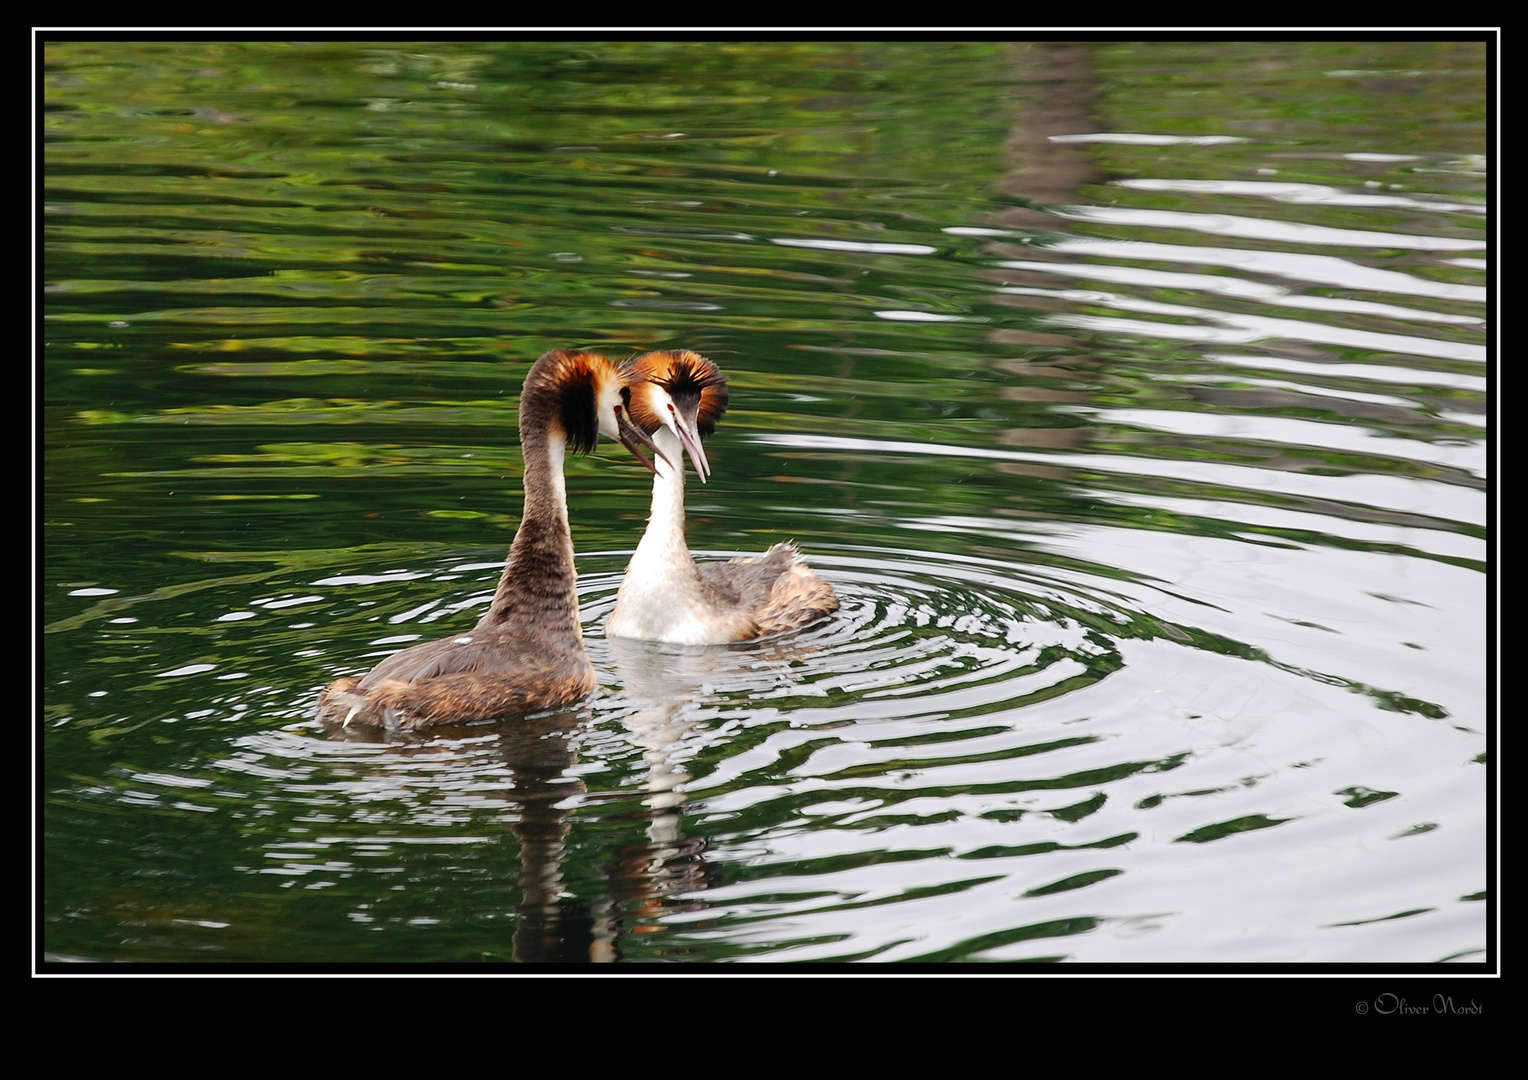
pixel 527 652
pixel 677 397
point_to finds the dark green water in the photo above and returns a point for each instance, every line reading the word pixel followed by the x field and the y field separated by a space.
pixel 1133 397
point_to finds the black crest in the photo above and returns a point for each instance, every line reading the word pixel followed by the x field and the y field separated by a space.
pixel 580 410
pixel 563 388
pixel 687 377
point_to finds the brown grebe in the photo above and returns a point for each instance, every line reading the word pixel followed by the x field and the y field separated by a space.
pixel 677 397
pixel 527 651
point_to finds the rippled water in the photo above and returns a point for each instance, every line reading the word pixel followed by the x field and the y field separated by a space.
pixel 1132 397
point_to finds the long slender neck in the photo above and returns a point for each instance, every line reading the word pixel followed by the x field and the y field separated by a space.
pixel 663 545
pixel 539 587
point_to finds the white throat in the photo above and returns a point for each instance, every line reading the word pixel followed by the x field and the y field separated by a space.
pixel 555 447
pixel 660 598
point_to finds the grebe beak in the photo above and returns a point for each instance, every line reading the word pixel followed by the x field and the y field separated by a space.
pixel 685 424
pixel 631 435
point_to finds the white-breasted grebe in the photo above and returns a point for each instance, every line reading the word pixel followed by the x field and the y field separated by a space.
pixel 527 651
pixel 677 398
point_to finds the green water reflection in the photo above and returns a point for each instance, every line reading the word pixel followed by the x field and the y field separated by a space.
pixel 291 290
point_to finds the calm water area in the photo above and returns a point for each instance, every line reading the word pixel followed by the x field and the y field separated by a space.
pixel 1133 397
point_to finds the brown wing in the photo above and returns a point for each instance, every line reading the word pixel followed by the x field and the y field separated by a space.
pixel 775 592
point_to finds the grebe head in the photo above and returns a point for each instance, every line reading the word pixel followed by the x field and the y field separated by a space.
pixel 679 390
pixel 582 396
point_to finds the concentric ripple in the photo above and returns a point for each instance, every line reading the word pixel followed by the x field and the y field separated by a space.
pixel 914 635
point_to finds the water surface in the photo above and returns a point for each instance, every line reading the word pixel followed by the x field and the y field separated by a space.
pixel 1132 397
